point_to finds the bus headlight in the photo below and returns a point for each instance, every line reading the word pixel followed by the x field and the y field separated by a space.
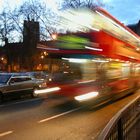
pixel 86 96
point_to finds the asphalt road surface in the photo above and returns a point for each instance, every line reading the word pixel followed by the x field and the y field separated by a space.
pixel 55 119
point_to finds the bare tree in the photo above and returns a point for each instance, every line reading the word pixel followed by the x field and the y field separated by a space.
pixel 39 12
pixel 81 3
pixel 11 22
pixel 6 27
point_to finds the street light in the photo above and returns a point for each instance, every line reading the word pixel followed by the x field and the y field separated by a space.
pixel 45 53
pixel 54 36
pixel 2 58
pixel 42 57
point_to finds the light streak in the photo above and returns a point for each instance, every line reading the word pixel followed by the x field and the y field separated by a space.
pixel 47 90
pixel 95 49
pixel 87 81
pixel 118 25
pixel 103 61
pixel 86 96
pixel 75 60
pixel 5 133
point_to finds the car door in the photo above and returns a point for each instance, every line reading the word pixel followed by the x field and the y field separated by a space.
pixel 14 85
pixel 27 83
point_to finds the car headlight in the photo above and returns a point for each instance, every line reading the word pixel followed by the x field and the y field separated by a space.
pixel 43 85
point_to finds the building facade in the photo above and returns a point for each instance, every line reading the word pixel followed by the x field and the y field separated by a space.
pixel 22 56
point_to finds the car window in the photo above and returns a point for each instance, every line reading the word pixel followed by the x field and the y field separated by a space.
pixel 15 80
pixel 37 75
pixel 26 79
pixel 4 78
pixel 19 79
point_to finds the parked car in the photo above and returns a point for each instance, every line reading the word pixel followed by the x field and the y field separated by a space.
pixel 17 83
pixel 38 75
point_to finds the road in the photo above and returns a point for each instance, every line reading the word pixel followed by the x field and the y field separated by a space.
pixel 55 119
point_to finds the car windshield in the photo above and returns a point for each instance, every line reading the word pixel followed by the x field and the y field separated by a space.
pixel 4 78
pixel 38 75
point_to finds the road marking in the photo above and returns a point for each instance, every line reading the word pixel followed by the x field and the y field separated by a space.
pixel 5 133
pixel 56 116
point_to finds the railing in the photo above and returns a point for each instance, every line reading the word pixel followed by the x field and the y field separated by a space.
pixel 122 124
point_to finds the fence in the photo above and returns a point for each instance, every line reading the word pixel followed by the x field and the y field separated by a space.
pixel 120 127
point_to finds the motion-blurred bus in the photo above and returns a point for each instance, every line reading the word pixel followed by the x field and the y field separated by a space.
pixel 97 58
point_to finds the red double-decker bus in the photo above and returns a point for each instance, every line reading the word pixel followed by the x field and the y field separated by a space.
pixel 97 59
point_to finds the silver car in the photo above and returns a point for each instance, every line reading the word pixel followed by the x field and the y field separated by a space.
pixel 15 82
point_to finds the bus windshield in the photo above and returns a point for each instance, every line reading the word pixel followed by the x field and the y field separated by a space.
pixel 73 69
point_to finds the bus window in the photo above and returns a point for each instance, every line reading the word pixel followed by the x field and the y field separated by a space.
pixel 114 70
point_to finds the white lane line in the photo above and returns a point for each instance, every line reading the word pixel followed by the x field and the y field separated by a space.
pixel 5 133
pixel 56 116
